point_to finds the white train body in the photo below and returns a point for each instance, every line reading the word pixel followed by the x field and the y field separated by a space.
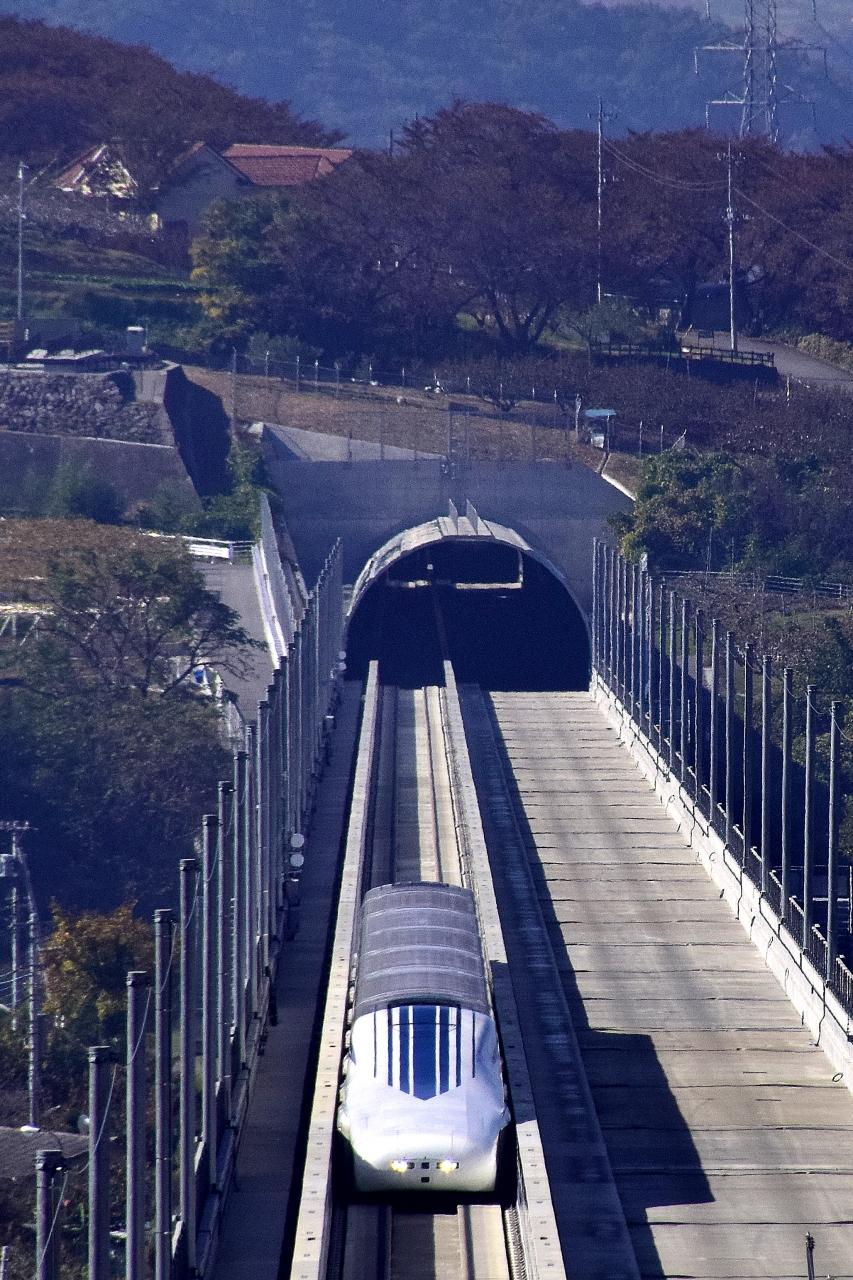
pixel 422 1104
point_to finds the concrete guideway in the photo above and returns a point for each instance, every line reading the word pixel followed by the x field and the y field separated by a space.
pixel 727 1137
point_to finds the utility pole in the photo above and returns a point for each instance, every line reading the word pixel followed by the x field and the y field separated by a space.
pixel 15 868
pixel 22 171
pixel 600 121
pixel 730 220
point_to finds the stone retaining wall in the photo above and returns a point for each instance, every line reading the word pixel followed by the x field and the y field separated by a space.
pixel 139 431
pixel 94 405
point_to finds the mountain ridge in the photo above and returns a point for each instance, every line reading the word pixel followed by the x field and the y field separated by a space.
pixel 365 72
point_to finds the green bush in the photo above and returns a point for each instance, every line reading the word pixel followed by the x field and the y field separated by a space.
pixel 78 492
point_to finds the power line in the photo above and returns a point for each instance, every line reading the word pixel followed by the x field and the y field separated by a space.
pixel 663 180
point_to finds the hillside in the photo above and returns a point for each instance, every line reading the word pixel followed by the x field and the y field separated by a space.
pixel 61 91
pixel 368 68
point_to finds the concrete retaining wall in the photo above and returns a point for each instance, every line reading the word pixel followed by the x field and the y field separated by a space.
pixel 139 431
pixel 29 463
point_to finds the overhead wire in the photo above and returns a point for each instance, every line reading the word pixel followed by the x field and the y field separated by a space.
pixel 679 184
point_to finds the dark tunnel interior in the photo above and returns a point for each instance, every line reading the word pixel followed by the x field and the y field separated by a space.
pixel 502 619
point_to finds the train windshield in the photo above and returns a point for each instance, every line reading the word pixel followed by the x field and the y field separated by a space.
pixel 430 1048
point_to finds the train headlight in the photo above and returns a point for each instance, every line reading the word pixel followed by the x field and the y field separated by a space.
pixel 402 1166
pixel 448 1166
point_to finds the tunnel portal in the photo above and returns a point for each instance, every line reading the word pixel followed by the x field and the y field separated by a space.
pixel 504 619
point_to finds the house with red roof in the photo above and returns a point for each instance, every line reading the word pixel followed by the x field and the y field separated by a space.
pixel 203 174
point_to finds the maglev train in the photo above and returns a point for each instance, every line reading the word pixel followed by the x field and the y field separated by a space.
pixel 422 1106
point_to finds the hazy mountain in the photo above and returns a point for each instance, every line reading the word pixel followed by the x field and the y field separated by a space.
pixel 366 68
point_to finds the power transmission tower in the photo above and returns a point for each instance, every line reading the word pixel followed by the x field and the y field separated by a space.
pixel 758 44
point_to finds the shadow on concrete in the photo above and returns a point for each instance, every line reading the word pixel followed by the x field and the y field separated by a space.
pixel 652 1154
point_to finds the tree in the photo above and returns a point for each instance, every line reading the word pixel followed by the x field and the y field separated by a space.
pixel 692 510
pixel 482 208
pixel 86 961
pixel 129 616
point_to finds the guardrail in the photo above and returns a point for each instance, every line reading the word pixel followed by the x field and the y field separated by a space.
pixel 773 583
pixel 717 355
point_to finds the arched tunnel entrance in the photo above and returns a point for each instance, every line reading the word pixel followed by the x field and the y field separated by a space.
pixel 504 619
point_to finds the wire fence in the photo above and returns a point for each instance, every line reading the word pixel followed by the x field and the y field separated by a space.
pixel 202 1014
pixel 724 724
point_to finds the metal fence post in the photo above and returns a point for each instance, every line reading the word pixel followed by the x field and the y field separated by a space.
pixel 595 593
pixel 808 821
pixel 661 650
pixel 249 881
pixel 263 772
pixel 746 825
pixel 186 1108
pixel 630 626
pixel 671 657
pixel 730 734
pixel 683 719
pixel 787 734
pixel 49 1162
pixel 209 987
pixel 274 876
pixel 713 728
pixel 238 982
pixel 223 945
pixel 766 718
pixel 17 956
pixel 607 605
pixel 163 938
pixel 699 709
pixel 34 1080
pixel 622 634
pixel 100 1058
pixel 614 621
pixel 641 617
pixel 832 843
pixel 138 996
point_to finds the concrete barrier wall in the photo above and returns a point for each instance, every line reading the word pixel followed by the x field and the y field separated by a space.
pixel 138 431
pixel 558 510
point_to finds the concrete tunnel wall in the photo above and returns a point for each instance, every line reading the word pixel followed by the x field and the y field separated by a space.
pixel 557 510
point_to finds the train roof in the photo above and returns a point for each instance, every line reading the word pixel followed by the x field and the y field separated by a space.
pixel 419 944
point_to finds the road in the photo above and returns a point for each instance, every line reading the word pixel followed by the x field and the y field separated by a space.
pixel 792 363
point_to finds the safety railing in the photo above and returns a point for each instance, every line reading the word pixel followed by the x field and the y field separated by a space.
pixel 710 709
pixel 203 1012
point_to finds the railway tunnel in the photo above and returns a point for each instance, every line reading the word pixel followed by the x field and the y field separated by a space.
pixel 474 592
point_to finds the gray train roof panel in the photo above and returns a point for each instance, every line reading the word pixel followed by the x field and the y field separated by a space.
pixel 419 944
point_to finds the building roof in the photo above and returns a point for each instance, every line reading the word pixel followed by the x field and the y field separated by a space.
pixel 18 1149
pixel 98 171
pixel 283 166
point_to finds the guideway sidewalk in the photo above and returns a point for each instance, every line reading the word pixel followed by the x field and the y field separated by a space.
pixel 253 1231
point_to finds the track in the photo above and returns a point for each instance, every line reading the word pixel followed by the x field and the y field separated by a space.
pixel 414 838
pixel 414 815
